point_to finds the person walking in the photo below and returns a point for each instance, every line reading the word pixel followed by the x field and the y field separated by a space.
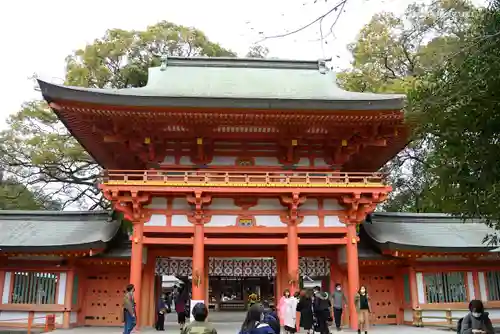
pixel 305 307
pixel 321 308
pixel 160 317
pixel 339 301
pixel 363 308
pixel 129 315
pixel 290 313
pixel 180 306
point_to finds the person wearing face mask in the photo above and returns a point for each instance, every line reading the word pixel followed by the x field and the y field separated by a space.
pixel 338 301
pixel 129 316
pixel 477 321
pixel 363 308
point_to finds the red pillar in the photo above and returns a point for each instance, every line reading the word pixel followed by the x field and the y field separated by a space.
pixel 352 272
pixel 293 258
pixel 136 266
pixel 198 283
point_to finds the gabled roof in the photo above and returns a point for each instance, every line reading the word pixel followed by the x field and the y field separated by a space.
pixel 427 232
pixel 232 83
pixel 29 231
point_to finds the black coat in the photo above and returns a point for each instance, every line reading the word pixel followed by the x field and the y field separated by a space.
pixel 306 313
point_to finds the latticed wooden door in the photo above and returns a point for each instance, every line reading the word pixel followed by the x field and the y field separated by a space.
pixel 104 298
pixel 383 298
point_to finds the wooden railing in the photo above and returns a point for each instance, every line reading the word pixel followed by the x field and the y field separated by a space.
pixel 446 320
pixel 243 179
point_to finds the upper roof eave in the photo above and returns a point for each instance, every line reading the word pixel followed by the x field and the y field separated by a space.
pixel 145 97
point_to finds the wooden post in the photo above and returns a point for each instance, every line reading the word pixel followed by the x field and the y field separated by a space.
pixel 198 281
pixel 136 266
pixel 293 258
pixel 352 272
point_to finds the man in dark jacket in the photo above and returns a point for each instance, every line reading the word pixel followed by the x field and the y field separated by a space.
pixel 271 317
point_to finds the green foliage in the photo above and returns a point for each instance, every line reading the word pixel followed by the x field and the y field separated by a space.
pixel 395 55
pixel 15 196
pixel 39 151
pixel 460 113
pixel 257 51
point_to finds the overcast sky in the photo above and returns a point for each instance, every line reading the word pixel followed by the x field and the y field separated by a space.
pixel 38 35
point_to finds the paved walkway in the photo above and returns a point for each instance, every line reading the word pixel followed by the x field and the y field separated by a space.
pixel 232 328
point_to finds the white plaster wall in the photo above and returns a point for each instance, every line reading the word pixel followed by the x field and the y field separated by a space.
pixel 169 160
pixel 73 317
pixel 266 161
pixel 22 317
pixel 157 203
pixel 408 315
pixel 420 288
pixel 331 204
pixel 320 162
pixel 470 285
pixel 441 314
pixel 222 221
pixel 157 220
pixel 223 204
pixel 494 313
pixel 303 162
pixel 6 287
pixel 180 204
pixel 269 221
pixel 223 161
pixel 482 286
pixel 310 221
pixel 333 221
pixel 180 220
pixel 185 161
pixel 310 204
pixel 61 288
pixel 268 204
pixel 14 316
pixel 459 313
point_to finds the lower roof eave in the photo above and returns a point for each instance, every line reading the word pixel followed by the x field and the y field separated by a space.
pixel 394 247
pixel 98 245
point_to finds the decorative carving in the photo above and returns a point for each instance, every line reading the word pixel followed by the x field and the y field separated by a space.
pixel 245 221
pixel 197 278
pixel 198 200
pixel 359 206
pixel 131 204
pixel 246 202
pixel 293 277
pixel 293 202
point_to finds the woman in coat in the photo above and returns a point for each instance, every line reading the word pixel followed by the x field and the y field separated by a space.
pixel 363 308
pixel 304 306
pixel 290 313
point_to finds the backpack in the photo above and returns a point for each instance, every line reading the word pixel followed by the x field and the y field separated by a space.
pixel 459 325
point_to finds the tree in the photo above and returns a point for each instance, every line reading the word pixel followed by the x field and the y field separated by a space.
pixel 459 110
pixel 393 55
pixel 257 51
pixel 15 196
pixel 39 151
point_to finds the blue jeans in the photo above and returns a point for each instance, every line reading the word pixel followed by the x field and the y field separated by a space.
pixel 130 322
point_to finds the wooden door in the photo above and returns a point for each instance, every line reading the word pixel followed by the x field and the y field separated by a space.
pixel 381 289
pixel 104 299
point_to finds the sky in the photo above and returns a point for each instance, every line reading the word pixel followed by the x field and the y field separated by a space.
pixel 38 35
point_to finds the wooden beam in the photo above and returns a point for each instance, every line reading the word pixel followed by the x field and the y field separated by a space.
pixel 244 241
pixel 244 230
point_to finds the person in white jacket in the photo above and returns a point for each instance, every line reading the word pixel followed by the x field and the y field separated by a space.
pixel 290 313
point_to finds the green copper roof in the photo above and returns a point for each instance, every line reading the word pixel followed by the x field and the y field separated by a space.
pixel 225 82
